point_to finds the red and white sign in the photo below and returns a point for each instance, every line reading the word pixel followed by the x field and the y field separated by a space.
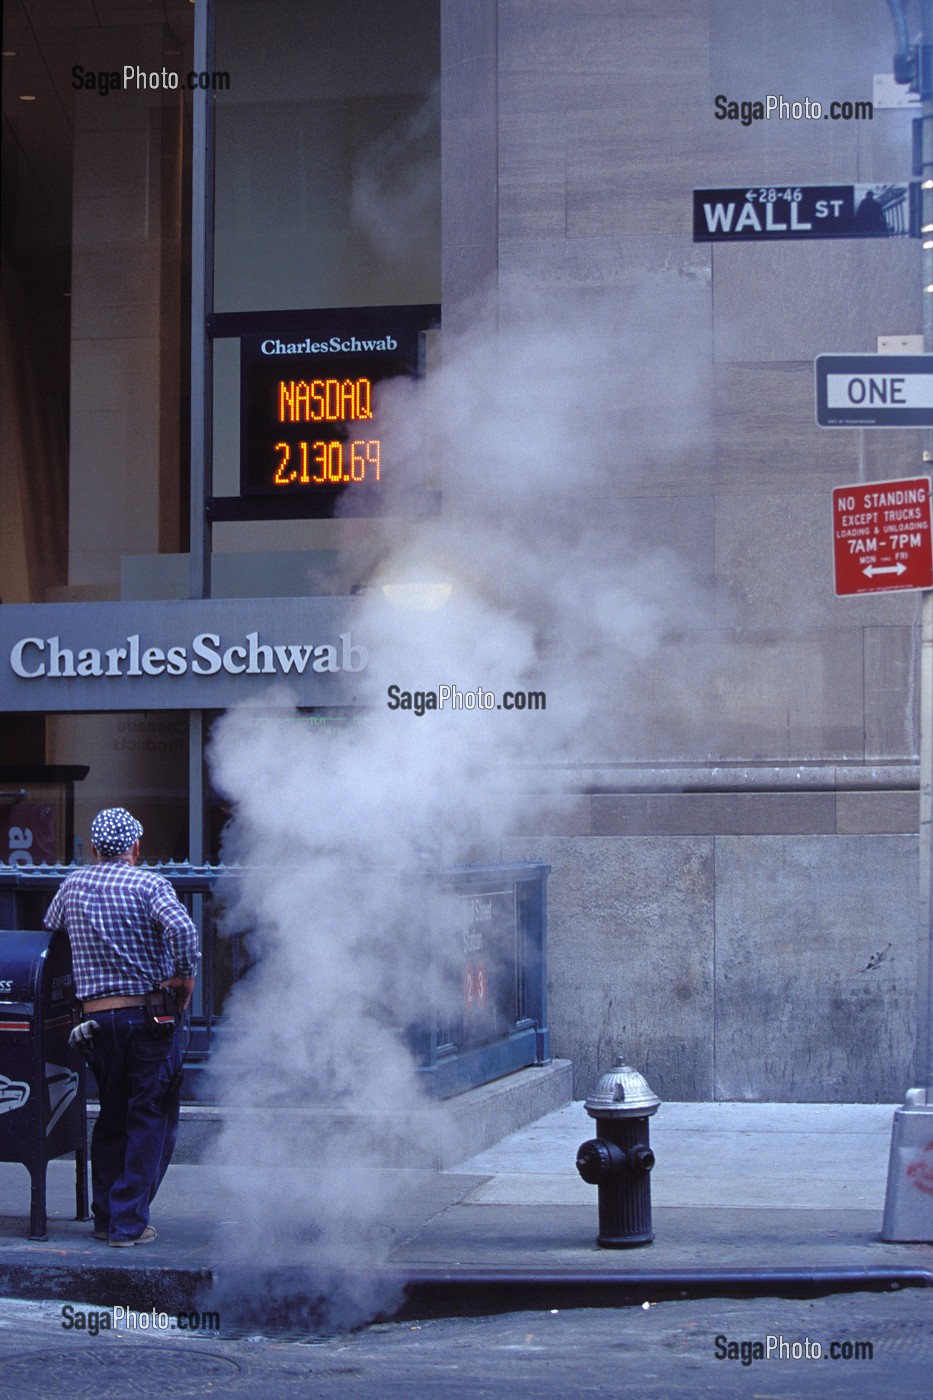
pixel 883 537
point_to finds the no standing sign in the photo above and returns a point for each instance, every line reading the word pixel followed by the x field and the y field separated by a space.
pixel 883 540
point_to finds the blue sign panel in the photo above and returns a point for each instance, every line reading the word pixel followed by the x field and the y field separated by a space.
pixel 768 212
pixel 187 655
pixel 874 391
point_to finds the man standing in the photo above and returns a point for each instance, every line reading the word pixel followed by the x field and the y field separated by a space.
pixel 129 935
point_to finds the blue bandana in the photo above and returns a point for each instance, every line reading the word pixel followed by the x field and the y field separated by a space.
pixel 113 831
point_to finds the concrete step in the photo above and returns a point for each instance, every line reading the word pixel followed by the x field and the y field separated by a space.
pixel 437 1135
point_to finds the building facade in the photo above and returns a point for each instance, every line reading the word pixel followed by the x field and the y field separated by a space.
pixel 734 841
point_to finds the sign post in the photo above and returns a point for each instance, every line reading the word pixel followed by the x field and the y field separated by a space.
pixel 908 1202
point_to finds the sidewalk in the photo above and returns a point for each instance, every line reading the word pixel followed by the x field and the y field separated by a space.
pixel 781 1199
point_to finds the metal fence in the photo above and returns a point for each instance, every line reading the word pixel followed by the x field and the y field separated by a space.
pixel 485 1002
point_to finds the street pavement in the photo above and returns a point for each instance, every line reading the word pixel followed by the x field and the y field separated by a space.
pixel 749 1200
pixel 851 1346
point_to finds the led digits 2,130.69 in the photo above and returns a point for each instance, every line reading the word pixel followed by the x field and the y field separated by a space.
pixel 331 461
pixel 326 401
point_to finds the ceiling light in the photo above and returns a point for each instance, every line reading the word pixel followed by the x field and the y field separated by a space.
pixel 418 597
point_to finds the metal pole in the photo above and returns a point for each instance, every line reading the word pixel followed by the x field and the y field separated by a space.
pixel 924 1066
pixel 202 300
pixel 908 1206
pixel 925 988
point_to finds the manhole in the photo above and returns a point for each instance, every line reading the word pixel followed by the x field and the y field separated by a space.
pixel 111 1370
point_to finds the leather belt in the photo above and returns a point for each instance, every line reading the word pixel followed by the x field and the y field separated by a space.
pixel 111 1003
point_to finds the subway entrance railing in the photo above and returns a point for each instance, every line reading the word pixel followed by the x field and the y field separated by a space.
pixel 486 1000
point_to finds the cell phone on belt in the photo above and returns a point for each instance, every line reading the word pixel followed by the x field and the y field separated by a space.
pixel 161 1017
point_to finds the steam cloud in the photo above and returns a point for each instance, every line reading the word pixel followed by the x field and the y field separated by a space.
pixel 537 426
pixel 395 196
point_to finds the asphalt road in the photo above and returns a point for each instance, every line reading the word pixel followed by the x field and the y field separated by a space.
pixel 662 1352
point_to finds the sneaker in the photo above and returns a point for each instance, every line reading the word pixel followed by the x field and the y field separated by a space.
pixel 147 1236
pixel 101 1232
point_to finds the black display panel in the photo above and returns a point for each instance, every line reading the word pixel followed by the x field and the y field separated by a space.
pixel 313 441
pixel 312 428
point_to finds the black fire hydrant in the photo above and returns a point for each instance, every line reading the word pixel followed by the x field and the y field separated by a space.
pixel 619 1161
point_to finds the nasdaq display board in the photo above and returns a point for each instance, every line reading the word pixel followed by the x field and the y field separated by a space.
pixel 313 386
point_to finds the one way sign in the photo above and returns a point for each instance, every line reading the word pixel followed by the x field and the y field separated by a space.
pixel 874 391
pixel 882 534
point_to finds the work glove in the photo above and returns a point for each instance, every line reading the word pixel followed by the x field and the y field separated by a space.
pixel 83 1034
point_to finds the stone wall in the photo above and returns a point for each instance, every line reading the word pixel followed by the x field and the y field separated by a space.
pixel 744 944
pixel 740 931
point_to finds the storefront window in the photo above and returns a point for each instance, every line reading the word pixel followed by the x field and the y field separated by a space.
pixel 94 335
pixel 95 299
pixel 327 194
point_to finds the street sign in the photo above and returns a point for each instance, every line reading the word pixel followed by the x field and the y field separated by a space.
pixel 768 212
pixel 874 391
pixel 882 536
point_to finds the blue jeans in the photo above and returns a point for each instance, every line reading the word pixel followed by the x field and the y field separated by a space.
pixel 134 1137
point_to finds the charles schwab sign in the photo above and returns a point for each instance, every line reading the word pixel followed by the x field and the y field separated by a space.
pixel 179 655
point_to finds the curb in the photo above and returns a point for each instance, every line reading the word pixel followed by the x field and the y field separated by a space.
pixel 466 1292
pixel 295 1298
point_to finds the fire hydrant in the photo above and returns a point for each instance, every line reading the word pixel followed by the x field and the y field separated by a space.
pixel 619 1161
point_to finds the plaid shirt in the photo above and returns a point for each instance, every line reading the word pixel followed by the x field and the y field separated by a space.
pixel 127 928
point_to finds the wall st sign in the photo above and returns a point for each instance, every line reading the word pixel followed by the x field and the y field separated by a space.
pixel 769 212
